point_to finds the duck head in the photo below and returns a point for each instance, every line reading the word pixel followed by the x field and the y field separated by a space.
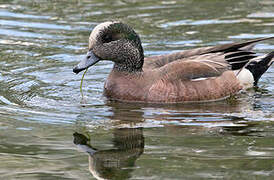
pixel 116 42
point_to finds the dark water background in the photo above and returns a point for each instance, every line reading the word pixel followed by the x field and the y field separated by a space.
pixel 40 42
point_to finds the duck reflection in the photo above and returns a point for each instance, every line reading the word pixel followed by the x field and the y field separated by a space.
pixel 118 162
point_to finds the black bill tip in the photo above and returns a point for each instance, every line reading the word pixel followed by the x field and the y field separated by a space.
pixel 76 70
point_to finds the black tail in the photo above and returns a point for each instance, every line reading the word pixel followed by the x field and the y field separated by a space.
pixel 258 66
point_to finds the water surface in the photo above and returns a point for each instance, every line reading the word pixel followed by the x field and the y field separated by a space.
pixel 47 134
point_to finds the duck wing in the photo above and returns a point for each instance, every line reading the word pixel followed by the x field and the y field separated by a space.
pixel 238 54
pixel 205 77
pixel 195 67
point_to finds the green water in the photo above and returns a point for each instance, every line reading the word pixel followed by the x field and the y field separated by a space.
pixel 40 110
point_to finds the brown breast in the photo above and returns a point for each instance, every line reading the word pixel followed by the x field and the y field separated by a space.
pixel 127 87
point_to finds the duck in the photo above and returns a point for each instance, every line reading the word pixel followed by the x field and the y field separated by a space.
pixel 196 75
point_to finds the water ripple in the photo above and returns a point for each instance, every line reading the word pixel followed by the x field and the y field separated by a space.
pixel 205 22
pixel 21 15
pixel 17 33
pixel 34 25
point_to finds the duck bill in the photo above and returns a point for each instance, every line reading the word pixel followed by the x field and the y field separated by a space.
pixel 88 61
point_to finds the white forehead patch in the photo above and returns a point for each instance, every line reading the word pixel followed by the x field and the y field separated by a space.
pixel 98 28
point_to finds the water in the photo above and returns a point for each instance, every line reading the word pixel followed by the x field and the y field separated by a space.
pixel 41 41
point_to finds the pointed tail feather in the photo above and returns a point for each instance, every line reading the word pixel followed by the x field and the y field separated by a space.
pixel 272 59
pixel 248 45
pixel 259 65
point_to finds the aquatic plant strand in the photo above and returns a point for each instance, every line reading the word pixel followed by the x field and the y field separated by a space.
pixel 81 89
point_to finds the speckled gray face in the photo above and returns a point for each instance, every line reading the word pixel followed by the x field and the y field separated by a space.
pixel 116 42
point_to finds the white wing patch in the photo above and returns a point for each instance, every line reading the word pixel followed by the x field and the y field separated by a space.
pixel 199 79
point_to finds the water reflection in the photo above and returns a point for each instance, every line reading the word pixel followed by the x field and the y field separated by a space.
pixel 117 162
pixel 231 112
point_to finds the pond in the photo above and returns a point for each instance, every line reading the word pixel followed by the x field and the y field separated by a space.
pixel 45 132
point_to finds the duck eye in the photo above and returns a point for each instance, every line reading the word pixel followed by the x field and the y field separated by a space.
pixel 107 38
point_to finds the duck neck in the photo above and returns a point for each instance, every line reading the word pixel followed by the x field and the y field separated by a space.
pixel 132 64
pixel 126 68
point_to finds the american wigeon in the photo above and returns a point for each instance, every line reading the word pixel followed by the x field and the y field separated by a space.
pixel 201 74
